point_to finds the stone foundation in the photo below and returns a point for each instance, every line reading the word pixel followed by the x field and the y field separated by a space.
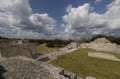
pixel 103 56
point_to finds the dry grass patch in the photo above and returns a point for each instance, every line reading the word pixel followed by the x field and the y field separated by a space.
pixel 43 49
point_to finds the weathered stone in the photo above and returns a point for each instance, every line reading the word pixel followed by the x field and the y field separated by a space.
pixel 73 76
pixel 103 56
pixel 90 77
pixel 67 74
pixel 11 50
pixel 79 77
pixel 101 40
pixel 72 45
pixel 23 68
pixel 102 44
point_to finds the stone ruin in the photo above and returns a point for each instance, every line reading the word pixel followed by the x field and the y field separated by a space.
pixel 101 44
pixel 17 48
pixel 61 73
pixel 72 45
pixel 103 56
pixel 19 42
pixel 67 49
pixel 23 68
pixel 98 44
pixel 48 70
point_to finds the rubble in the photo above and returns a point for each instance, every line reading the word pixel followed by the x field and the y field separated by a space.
pixel 23 68
pixel 11 50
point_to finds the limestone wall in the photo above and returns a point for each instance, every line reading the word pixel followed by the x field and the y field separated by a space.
pixel 11 50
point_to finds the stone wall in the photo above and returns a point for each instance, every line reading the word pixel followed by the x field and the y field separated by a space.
pixel 11 50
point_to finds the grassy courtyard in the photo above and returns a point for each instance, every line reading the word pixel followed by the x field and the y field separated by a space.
pixel 79 63
pixel 43 49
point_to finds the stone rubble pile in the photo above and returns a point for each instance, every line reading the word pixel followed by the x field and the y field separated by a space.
pixel 72 45
pixel 23 68
pixel 11 50
pixel 102 44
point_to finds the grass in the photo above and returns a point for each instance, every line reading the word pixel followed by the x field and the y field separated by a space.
pixel 43 49
pixel 79 63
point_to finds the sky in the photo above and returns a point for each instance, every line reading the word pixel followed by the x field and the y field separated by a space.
pixel 63 19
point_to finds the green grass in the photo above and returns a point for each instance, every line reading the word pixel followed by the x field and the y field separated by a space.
pixel 43 49
pixel 79 63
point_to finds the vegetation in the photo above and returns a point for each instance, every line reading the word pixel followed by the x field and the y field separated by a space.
pixel 3 37
pixel 62 43
pixel 43 49
pixel 79 63
pixel 51 43
pixel 110 38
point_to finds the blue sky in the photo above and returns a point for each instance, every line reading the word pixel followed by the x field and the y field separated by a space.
pixel 56 8
pixel 63 19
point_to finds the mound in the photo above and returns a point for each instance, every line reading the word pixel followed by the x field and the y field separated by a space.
pixel 22 68
pixel 101 44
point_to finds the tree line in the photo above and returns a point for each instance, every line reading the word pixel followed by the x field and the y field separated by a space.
pixel 62 43
pixel 94 37
pixel 51 43
pixel 110 38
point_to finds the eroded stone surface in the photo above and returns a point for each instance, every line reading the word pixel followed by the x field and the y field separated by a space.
pixel 24 68
pixel 90 77
pixel 102 44
pixel 103 56
pixel 10 50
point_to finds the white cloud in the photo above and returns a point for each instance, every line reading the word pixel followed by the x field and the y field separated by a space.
pixel 69 7
pixel 17 20
pixel 79 22
pixel 76 20
pixel 43 20
pixel 97 1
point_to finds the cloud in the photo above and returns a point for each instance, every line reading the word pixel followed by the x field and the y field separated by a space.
pixel 80 22
pixel 17 20
pixel 69 7
pixel 98 1
pixel 43 22
pixel 76 21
